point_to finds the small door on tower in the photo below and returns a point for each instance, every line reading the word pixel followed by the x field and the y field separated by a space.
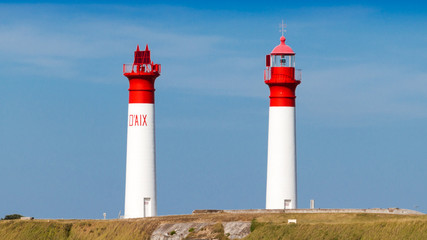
pixel 288 203
pixel 147 207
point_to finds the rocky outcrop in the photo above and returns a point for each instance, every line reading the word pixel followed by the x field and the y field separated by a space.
pixel 201 231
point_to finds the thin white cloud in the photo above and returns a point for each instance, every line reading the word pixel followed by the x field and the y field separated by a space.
pixel 93 40
pixel 354 72
pixel 368 91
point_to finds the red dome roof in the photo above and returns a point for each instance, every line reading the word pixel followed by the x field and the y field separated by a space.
pixel 282 48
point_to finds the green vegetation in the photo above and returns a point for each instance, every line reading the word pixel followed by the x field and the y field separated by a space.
pixel 254 224
pixel 218 230
pixel 12 216
pixel 263 226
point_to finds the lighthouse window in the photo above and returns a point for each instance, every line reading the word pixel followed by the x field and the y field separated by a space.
pixel 283 60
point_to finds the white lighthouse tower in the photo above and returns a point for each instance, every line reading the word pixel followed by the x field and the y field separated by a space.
pixel 282 79
pixel 140 195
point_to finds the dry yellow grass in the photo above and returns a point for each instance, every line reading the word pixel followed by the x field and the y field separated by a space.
pixel 266 226
pixel 340 226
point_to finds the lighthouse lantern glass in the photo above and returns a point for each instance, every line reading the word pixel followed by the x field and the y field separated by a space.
pixel 283 60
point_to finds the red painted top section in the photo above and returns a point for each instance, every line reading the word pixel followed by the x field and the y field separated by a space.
pixel 281 80
pixel 282 48
pixel 141 74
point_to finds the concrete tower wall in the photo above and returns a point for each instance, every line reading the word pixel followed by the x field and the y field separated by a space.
pixel 281 166
pixel 140 196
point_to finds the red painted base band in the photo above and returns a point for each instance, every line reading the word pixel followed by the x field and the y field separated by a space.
pixel 141 96
pixel 282 94
pixel 282 87
pixel 282 102
pixel 141 90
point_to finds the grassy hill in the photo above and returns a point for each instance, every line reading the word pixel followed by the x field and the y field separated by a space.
pixel 264 226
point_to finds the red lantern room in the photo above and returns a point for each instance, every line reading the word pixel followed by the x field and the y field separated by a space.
pixel 280 75
pixel 282 55
pixel 141 74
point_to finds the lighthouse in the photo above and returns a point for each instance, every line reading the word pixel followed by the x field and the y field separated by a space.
pixel 282 79
pixel 140 193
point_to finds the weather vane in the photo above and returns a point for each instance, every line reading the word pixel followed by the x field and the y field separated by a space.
pixel 282 28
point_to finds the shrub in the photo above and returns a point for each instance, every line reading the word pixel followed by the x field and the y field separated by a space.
pixel 254 224
pixel 12 216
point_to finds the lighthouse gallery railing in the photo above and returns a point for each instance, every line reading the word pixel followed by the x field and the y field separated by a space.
pixel 141 68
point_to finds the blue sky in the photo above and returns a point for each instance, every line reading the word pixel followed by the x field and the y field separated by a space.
pixel 361 107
